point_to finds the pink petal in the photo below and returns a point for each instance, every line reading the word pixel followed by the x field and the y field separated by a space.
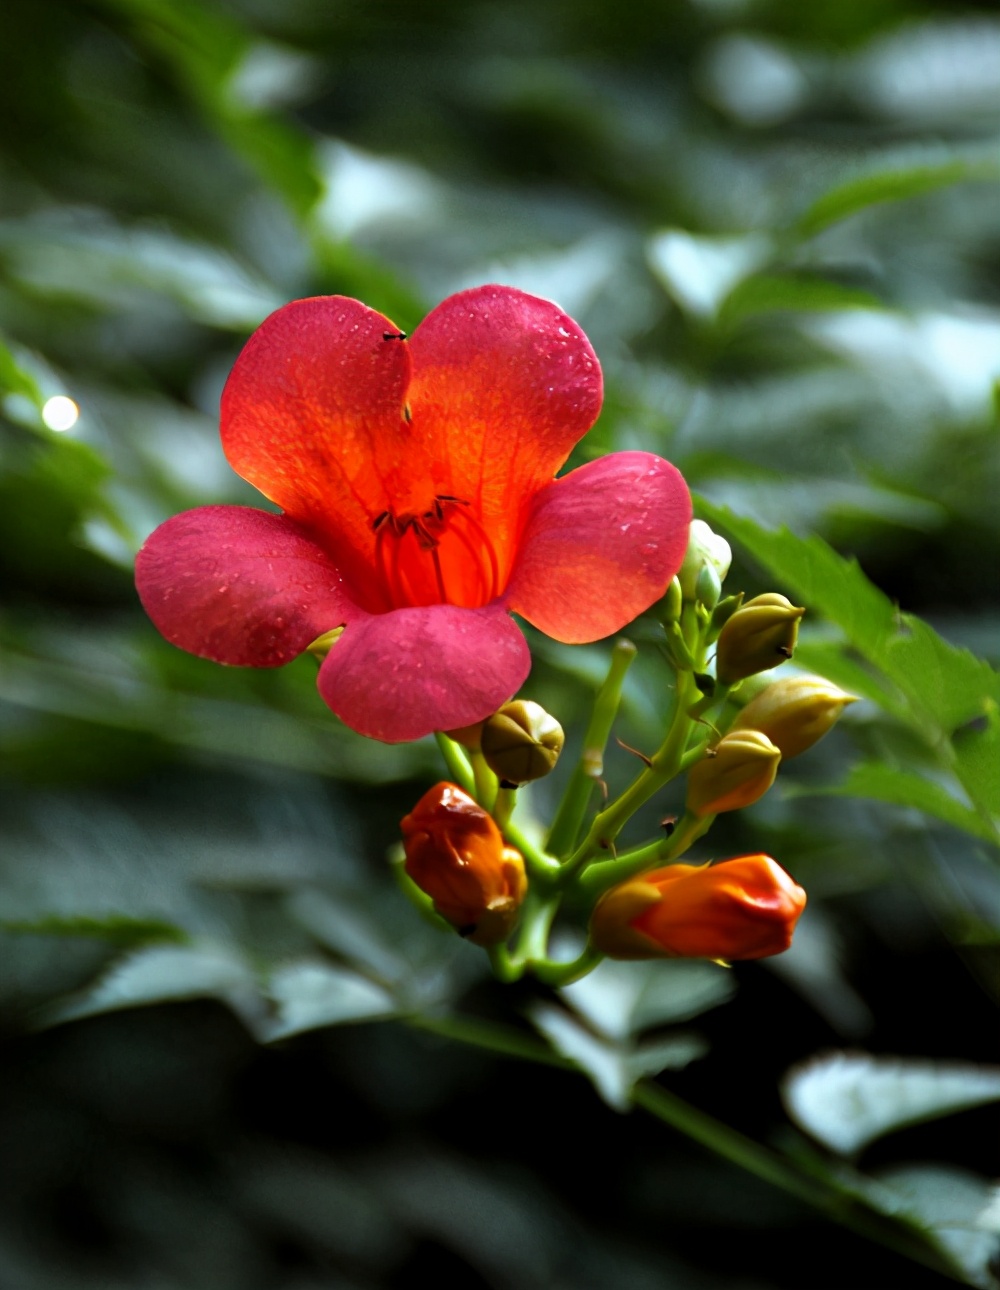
pixel 402 675
pixel 504 384
pixel 239 586
pixel 601 546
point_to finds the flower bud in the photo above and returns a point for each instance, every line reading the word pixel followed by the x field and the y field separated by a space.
pixel 705 548
pixel 668 608
pixel 738 771
pixel 795 712
pixel 521 742
pixel 740 909
pixel 456 854
pixel 760 635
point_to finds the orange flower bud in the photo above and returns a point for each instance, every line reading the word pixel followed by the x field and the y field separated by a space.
pixel 760 635
pixel 456 854
pixel 738 771
pixel 795 712
pixel 740 909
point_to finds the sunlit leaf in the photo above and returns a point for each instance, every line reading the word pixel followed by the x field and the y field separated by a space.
pixel 310 995
pixel 959 1209
pixel 623 999
pixel 847 1100
pixel 162 974
pixel 614 1068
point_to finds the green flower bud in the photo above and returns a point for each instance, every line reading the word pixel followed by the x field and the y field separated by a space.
pixel 795 712
pixel 738 771
pixel 705 549
pixel 668 609
pixel 722 613
pixel 708 588
pixel 521 742
pixel 760 635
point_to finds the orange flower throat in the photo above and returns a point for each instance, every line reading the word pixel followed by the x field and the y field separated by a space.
pixel 441 556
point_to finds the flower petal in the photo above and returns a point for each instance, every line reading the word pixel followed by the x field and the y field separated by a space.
pixel 313 416
pixel 601 546
pixel 239 586
pixel 402 675
pixel 504 384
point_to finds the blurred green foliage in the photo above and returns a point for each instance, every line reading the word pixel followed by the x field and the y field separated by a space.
pixel 780 226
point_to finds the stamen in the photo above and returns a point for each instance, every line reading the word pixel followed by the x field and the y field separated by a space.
pixel 404 575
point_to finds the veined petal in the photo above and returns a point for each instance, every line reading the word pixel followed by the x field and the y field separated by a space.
pixel 402 675
pixel 504 384
pixel 601 545
pixel 313 416
pixel 240 586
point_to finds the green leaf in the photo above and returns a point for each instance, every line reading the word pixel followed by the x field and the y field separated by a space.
pixel 944 686
pixel 623 999
pixel 160 974
pixel 847 1100
pixel 977 762
pixel 310 995
pixel 613 1068
pixel 16 379
pixel 879 783
pixel 117 929
pixel 960 1210
pixel 894 185
pixel 770 293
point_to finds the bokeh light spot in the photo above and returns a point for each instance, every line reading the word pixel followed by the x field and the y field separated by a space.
pixel 60 413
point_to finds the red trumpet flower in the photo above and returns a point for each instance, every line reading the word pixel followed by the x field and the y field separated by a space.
pixel 416 480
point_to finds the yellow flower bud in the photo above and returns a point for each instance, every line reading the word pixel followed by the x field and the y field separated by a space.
pixel 521 742
pixel 705 548
pixel 738 771
pixel 760 635
pixel 795 712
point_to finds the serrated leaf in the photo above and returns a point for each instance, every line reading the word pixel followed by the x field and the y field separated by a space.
pixel 893 185
pixel 310 995
pixel 623 999
pixel 162 974
pixel 944 686
pixel 613 1068
pixel 959 1209
pixel 847 1100
pixel 880 783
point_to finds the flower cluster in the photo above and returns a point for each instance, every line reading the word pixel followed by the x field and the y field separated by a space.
pixel 419 509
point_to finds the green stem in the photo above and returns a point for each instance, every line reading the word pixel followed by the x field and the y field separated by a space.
pixel 598 878
pixel 664 765
pixel 553 973
pixel 589 769
pixel 456 761
pixel 486 781
pixel 503 807
pixel 531 945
